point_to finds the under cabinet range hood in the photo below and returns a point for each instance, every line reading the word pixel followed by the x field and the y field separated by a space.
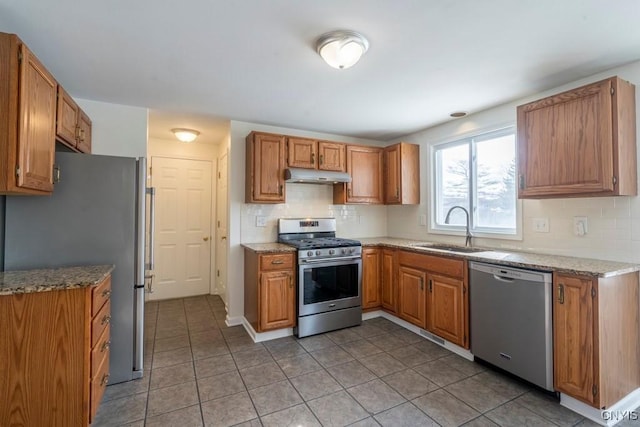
pixel 314 176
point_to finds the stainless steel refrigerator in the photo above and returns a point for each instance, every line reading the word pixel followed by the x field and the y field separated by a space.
pixel 96 215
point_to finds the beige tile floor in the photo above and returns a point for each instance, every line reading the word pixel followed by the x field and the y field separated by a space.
pixel 204 373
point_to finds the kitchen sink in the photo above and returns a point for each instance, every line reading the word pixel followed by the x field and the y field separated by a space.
pixel 451 248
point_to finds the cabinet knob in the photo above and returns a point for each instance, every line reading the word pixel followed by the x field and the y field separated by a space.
pixel 105 379
pixel 106 319
pixel 105 346
pixel 106 293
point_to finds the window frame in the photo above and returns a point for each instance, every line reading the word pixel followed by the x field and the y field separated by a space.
pixel 469 139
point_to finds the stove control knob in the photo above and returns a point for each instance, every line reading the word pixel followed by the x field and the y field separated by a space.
pixel 318 253
pixel 309 253
pixel 352 250
pixel 344 251
pixel 332 251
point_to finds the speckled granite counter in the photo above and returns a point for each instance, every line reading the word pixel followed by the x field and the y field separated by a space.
pixel 564 264
pixel 42 280
pixel 269 247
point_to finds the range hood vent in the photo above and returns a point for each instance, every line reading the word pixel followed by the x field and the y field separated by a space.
pixel 313 176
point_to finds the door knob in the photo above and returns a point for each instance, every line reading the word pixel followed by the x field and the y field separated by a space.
pixel 205 238
pixel 224 238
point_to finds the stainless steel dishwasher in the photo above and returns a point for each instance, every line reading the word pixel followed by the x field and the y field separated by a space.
pixel 511 320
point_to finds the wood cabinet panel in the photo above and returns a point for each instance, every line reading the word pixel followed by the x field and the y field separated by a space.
pixel 100 322
pixel 302 153
pixel 277 300
pixel 277 262
pixel 453 267
pixel 100 295
pixel 265 168
pixel 364 164
pixel 85 134
pixel 331 156
pixel 66 119
pixel 598 122
pixel 371 286
pixel 411 295
pixel 389 297
pixel 446 310
pixel 99 382
pixel 402 174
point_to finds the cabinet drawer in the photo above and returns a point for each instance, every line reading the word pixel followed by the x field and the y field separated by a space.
pixel 100 322
pixel 276 262
pixel 99 382
pixel 437 264
pixel 102 347
pixel 100 295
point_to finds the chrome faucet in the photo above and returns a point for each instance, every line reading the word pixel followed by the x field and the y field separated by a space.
pixel 467 241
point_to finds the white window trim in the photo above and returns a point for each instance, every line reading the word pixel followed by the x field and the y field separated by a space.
pixel 460 230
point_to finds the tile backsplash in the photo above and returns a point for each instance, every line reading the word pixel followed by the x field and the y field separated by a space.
pixel 312 200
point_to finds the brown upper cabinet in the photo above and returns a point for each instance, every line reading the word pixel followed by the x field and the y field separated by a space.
pixel 364 164
pixel 313 154
pixel 579 143
pixel 73 126
pixel 402 174
pixel 265 168
pixel 27 120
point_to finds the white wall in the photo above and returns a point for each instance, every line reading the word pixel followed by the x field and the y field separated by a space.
pixel 117 130
pixel 613 222
pixel 302 200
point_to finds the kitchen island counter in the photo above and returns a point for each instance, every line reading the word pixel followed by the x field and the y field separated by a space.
pixel 51 279
pixel 556 263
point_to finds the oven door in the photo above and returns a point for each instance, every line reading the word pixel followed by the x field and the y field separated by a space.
pixel 327 285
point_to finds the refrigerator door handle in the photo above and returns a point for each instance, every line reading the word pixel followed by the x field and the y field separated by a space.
pixel 140 222
pixel 151 191
pixel 138 350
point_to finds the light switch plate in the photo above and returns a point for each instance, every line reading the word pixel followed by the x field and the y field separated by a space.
pixel 422 220
pixel 580 225
pixel 261 221
pixel 541 225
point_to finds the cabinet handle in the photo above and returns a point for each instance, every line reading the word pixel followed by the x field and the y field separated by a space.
pixel 56 173
pixel 430 286
pixel 277 261
pixel 321 158
pixel 105 380
pixel 313 157
pixel 561 293
pixel 106 293
pixel 421 284
pixel 280 190
pixel 105 320
pixel 77 132
pixel 397 193
pixel 81 135
pixel 105 346
pixel 349 192
pixel 291 281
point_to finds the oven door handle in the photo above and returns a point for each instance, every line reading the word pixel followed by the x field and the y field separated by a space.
pixel 318 261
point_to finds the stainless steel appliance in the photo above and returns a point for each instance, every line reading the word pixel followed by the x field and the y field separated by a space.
pixel 329 275
pixel 511 320
pixel 96 215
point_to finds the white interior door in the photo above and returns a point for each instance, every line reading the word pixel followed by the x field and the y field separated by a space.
pixel 183 227
pixel 221 227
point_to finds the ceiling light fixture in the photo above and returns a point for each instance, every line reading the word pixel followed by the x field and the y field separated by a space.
pixel 458 114
pixel 185 135
pixel 342 48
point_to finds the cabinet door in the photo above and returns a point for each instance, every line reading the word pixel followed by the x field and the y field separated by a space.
pixel 277 300
pixel 392 174
pixel 365 166
pixel 331 156
pixel 573 337
pixel 66 119
pixel 84 134
pixel 411 295
pixel 565 143
pixel 265 168
pixel 302 153
pixel 371 278
pixel 37 124
pixel 446 314
pixel 388 273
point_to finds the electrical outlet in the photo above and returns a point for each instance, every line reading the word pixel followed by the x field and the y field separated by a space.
pixel 541 225
pixel 261 221
pixel 580 225
pixel 422 220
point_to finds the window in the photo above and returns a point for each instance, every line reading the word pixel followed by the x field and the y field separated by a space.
pixel 479 174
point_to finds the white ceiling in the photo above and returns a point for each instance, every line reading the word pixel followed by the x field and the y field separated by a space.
pixel 254 60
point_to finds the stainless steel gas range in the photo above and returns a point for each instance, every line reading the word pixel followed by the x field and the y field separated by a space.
pixel 329 275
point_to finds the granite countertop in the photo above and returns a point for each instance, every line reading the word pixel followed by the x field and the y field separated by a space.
pixel 43 280
pixel 269 247
pixel 562 264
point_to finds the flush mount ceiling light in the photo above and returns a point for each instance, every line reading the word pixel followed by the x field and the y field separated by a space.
pixel 185 135
pixel 342 48
pixel 458 114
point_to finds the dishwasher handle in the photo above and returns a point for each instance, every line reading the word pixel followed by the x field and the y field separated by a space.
pixel 503 279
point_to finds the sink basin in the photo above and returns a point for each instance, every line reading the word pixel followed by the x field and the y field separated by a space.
pixel 452 248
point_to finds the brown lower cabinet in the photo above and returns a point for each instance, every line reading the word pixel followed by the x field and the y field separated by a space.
pixel 371 289
pixel 447 309
pixel 596 325
pixel 388 279
pixel 54 348
pixel 412 302
pixel 269 290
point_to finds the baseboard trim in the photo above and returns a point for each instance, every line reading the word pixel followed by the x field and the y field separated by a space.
pixel 622 410
pixel 234 321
